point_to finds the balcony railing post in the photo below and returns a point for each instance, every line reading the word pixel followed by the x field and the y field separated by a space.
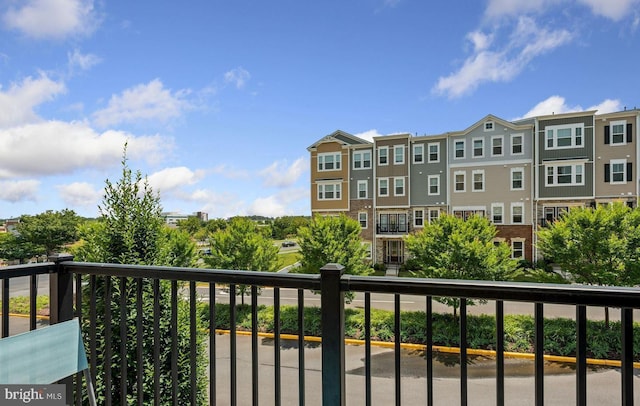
pixel 60 290
pixel 333 373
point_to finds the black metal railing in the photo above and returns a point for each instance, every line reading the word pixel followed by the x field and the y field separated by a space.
pixel 73 285
pixel 393 228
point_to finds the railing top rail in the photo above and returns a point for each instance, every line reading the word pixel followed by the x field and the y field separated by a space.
pixel 14 271
pixel 608 296
pixel 279 280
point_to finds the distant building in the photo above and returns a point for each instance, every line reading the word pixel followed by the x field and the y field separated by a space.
pixel 172 218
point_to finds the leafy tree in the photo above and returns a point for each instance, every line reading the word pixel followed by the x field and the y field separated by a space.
pixel 598 246
pixel 14 247
pixel 50 230
pixel 452 248
pixel 288 225
pixel 191 225
pixel 332 240
pixel 241 246
pixel 131 231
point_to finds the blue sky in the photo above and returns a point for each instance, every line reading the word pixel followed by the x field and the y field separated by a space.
pixel 218 100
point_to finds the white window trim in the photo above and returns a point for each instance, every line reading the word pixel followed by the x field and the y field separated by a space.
pixel 429 185
pixel 521 143
pixel 437 145
pixel 493 126
pixel 464 181
pixel 521 205
pixel 555 129
pixel 367 248
pixel 521 240
pixel 337 189
pixel 361 153
pixel 555 175
pixel 416 217
pixel 431 211
pixel 366 219
pixel 501 206
pixel 501 138
pixel 473 148
pixel 513 170
pixel 624 171
pixel 401 147
pixel 464 149
pixel 380 180
pixel 378 160
pixel 473 181
pixel 623 123
pixel 366 189
pixel 404 188
pixel 414 154
pixel 337 163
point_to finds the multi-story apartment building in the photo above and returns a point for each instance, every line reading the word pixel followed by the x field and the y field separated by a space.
pixel 521 175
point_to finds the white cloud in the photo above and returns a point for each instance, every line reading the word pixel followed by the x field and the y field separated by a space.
pixel 237 76
pixel 17 103
pixel 480 40
pixel 47 19
pixel 82 61
pixel 279 175
pixel 143 102
pixel 268 206
pixel 558 105
pixel 57 147
pixel 80 194
pixel 170 179
pixel 499 8
pixel 502 63
pixel 612 9
pixel 18 191
pixel 368 135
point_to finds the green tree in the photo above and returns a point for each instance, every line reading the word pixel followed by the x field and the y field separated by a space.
pixel 241 246
pixel 50 230
pixel 452 248
pixel 14 247
pixel 131 231
pixel 191 225
pixel 598 246
pixel 286 226
pixel 332 240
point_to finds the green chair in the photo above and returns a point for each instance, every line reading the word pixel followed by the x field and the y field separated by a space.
pixel 44 356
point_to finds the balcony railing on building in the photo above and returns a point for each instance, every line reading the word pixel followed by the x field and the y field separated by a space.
pixel 68 278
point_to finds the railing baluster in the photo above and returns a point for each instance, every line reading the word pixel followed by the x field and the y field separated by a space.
pixel 212 344
pixel 156 342
pixel 174 342
pixel 254 344
pixel 429 317
pixel 276 346
pixel 627 356
pixel 193 341
pixel 123 341
pixel 301 368
pixel 332 319
pixel 233 345
pixel 539 354
pixel 5 307
pixel 139 341
pixel 33 305
pixel 499 352
pixel 581 355
pixel 367 347
pixel 107 340
pixel 398 340
pixel 33 289
pixel 92 327
pixel 463 352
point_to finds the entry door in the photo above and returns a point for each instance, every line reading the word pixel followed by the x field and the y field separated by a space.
pixel 395 251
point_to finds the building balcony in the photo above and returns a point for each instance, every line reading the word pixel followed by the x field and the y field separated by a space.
pixel 393 229
pixel 254 366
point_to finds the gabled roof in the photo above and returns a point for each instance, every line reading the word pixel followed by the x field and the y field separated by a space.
pixel 341 137
pixel 496 120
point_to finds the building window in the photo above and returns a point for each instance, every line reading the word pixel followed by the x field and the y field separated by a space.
pixel 459 149
pixel 618 171
pixel 559 137
pixel 478 180
pixel 517 248
pixel 329 161
pixel 367 249
pixel 362 160
pixel 363 193
pixel 460 181
pixel 362 218
pixel 565 175
pixel 478 148
pixel 418 153
pixel 434 214
pixel 517 213
pixel 383 187
pixel 398 184
pixel 488 126
pixel 434 185
pixel 383 156
pixel 517 179
pixel 466 214
pixel 329 191
pixel 516 144
pixel 616 133
pixel 496 146
pixel 434 152
pixel 418 218
pixel 398 154
pixel 497 213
